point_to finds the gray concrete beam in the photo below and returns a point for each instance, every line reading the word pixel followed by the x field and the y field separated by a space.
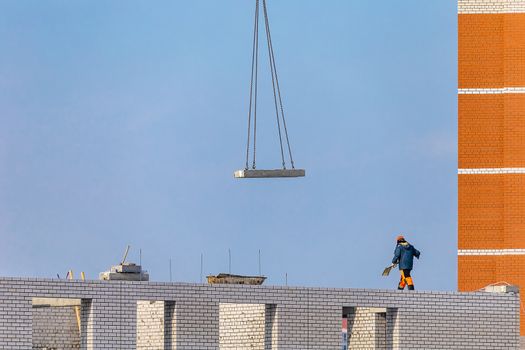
pixel 261 174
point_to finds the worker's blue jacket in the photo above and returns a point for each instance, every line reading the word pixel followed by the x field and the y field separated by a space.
pixel 404 256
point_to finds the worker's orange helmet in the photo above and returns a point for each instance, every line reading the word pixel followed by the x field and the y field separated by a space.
pixel 400 238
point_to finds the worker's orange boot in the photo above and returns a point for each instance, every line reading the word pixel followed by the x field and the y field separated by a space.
pixel 410 283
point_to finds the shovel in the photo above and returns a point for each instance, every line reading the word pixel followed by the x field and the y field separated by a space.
pixel 386 271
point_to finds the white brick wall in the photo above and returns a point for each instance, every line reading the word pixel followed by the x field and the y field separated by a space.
pixel 491 6
pixel 494 91
pixel 150 325
pixel 491 171
pixel 155 325
pixel 55 328
pixel 242 326
pixel 271 327
pixel 369 330
pixel 304 318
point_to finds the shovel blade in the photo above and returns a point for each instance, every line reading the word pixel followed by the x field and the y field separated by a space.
pixel 386 271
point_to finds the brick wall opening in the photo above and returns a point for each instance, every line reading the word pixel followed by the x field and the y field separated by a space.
pixel 247 326
pixel 370 328
pixel 57 323
pixel 155 325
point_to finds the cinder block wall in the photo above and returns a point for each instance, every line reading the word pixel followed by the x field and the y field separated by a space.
pixel 303 318
pixel 55 328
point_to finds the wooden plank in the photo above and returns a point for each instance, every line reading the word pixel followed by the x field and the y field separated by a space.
pixel 263 174
pixel 236 279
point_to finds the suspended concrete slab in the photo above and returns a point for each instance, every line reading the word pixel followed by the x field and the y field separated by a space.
pixel 265 174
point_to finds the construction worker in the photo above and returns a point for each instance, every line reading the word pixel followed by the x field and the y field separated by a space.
pixel 404 257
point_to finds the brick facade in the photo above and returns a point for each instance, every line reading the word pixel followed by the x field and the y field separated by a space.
pixel 491 143
pixel 370 329
pixel 127 315
pixel 55 328
pixel 490 6
pixel 151 324
pixel 243 326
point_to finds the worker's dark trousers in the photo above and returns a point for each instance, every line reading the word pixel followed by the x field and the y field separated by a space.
pixel 406 279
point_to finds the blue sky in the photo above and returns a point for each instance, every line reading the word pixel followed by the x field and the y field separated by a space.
pixel 122 123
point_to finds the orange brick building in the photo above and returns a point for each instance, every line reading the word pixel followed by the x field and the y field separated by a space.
pixel 491 137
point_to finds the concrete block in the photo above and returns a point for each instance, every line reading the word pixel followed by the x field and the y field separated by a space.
pixel 55 302
pixel 262 174
pixel 116 276
pixel 127 268
pixel 502 289
pixel 378 310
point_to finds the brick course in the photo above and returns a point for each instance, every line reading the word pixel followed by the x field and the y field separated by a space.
pixel 490 6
